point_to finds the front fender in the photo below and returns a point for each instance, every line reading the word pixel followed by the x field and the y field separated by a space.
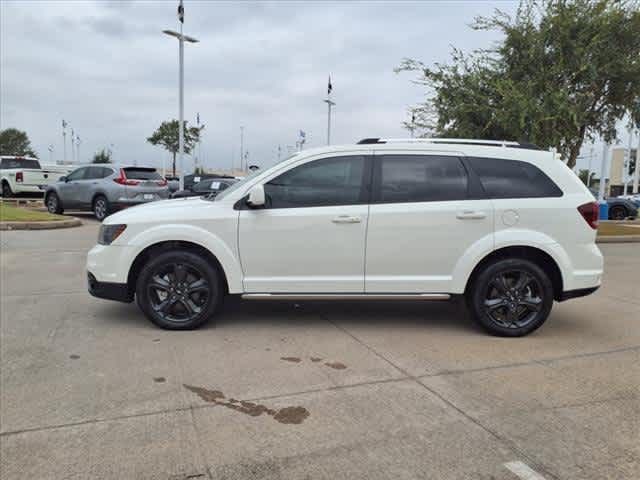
pixel 224 249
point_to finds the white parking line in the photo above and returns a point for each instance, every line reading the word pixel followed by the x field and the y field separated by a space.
pixel 523 471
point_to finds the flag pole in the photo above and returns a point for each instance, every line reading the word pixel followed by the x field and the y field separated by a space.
pixel 64 141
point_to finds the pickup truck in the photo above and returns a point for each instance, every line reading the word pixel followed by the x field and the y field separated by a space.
pixel 26 175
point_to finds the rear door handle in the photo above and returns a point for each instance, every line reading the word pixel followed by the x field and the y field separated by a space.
pixel 346 219
pixel 470 215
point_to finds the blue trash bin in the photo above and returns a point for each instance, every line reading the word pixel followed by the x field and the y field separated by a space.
pixel 604 210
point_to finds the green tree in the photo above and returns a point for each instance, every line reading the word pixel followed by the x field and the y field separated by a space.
pixel 103 156
pixel 167 136
pixel 15 142
pixel 565 71
pixel 587 178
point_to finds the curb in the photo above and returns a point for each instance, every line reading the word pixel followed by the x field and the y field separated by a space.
pixel 52 225
pixel 618 239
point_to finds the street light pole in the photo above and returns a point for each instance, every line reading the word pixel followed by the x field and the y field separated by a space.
pixel 181 39
pixel 329 105
pixel 636 175
pixel 242 148
pixel 603 170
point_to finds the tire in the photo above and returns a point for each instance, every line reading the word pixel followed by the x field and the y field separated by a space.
pixel 162 290
pixel 511 297
pixel 618 213
pixel 53 203
pixel 6 190
pixel 100 207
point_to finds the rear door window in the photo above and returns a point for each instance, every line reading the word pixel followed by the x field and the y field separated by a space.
pixel 78 174
pixel 419 178
pixel 513 179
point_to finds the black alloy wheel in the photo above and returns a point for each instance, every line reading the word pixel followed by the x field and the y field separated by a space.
pixel 178 290
pixel 511 297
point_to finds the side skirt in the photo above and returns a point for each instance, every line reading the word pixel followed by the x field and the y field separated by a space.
pixel 347 296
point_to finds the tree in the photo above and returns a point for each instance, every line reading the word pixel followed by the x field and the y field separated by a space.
pixel 15 142
pixel 167 136
pixel 103 156
pixel 566 71
pixel 587 177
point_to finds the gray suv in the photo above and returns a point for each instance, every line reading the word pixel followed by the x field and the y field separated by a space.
pixel 105 188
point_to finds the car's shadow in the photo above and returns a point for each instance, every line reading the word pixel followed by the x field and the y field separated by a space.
pixel 402 314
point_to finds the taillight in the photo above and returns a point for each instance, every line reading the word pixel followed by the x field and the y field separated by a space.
pixel 590 212
pixel 123 180
pixel 162 183
pixel 19 177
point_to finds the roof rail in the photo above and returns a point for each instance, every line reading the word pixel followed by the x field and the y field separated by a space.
pixel 452 141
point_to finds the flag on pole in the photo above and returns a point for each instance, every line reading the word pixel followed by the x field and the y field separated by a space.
pixel 303 134
pixel 64 123
pixel 329 86
pixel 198 118
pixel 181 12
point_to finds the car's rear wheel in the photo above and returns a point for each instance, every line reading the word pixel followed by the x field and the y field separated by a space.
pixel 179 290
pixel 101 207
pixel 6 190
pixel 53 203
pixel 511 297
pixel 618 213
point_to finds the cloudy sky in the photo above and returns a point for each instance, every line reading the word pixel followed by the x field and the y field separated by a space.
pixel 106 68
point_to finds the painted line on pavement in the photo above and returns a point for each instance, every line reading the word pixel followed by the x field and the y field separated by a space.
pixel 523 471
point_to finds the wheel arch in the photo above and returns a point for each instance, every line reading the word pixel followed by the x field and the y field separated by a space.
pixel 526 252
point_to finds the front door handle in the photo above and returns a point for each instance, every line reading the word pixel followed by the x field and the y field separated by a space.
pixel 470 215
pixel 346 219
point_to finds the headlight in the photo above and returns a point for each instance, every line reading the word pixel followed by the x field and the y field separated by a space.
pixel 108 233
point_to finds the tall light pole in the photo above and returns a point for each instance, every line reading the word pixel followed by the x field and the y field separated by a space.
pixel 78 142
pixel 181 39
pixel 242 148
pixel 636 175
pixel 603 170
pixel 50 148
pixel 64 141
pixel 329 105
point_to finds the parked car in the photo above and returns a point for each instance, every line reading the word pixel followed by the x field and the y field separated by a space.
pixel 105 188
pixel 619 207
pixel 635 198
pixel 210 186
pixel 25 175
pixel 173 183
pixel 501 224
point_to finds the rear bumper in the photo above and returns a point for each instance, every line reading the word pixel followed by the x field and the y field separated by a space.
pixel 109 291
pixel 581 292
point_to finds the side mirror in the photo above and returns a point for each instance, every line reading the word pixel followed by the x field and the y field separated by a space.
pixel 256 196
pixel 63 179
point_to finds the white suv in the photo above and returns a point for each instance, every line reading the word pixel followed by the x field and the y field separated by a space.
pixel 505 225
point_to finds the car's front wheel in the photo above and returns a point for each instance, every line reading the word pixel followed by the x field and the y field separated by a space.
pixel 178 290
pixel 511 297
pixel 53 203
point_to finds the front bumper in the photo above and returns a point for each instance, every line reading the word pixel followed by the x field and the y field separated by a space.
pixel 107 290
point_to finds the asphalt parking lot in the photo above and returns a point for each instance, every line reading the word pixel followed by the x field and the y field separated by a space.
pixel 90 389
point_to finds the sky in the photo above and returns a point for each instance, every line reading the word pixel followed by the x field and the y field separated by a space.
pixel 106 68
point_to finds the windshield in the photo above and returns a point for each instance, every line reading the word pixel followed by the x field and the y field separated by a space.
pixel 235 186
pixel 240 183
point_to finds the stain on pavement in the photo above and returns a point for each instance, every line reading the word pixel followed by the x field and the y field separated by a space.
pixel 290 415
pixel 159 379
pixel 316 359
pixel 336 365
pixel 291 359
pixel 74 357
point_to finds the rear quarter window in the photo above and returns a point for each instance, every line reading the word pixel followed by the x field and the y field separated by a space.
pixel 512 179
